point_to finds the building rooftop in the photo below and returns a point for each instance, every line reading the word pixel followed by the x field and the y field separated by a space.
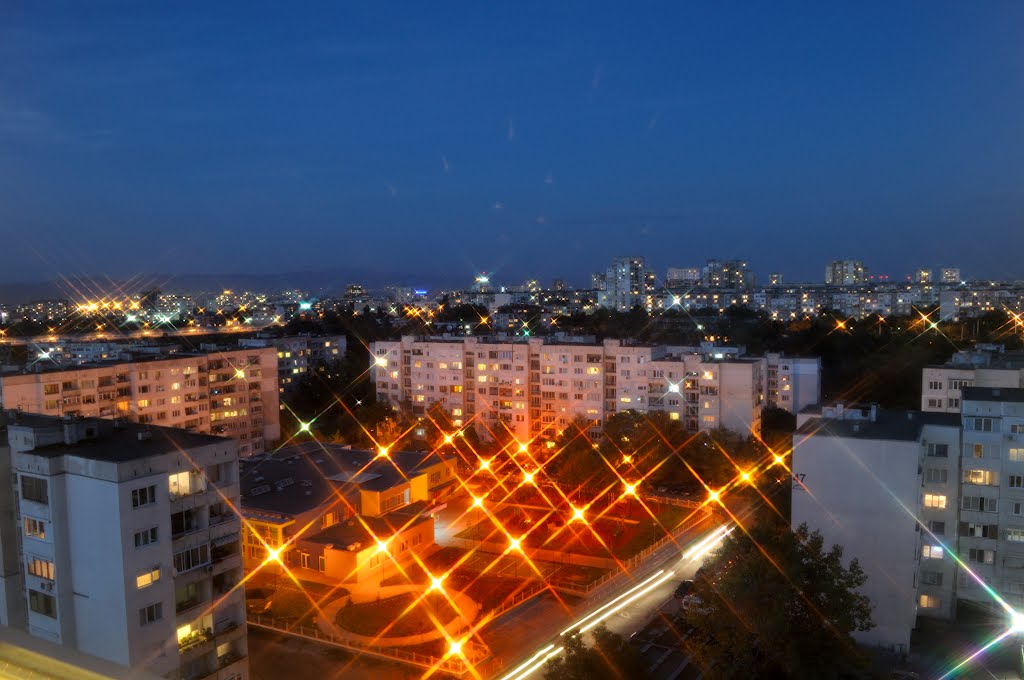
pixel 131 356
pixel 299 478
pixel 1012 394
pixel 894 425
pixel 105 440
pixel 363 530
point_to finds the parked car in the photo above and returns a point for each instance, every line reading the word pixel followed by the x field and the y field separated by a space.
pixel 683 589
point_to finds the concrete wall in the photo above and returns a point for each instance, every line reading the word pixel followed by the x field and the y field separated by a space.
pixel 858 492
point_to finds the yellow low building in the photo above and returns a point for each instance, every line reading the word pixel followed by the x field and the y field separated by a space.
pixel 297 494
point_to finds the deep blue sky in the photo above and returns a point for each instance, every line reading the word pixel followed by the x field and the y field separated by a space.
pixel 534 139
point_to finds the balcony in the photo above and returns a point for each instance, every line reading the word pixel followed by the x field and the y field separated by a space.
pixel 186 606
pixel 194 640
pixel 227 626
pixel 217 520
pixel 232 668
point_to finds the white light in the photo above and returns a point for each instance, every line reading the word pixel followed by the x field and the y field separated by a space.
pixel 706 544
pixel 526 669
pixel 1017 623
pixel 625 602
pixel 629 592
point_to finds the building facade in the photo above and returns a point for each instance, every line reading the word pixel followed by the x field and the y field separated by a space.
pixel 625 284
pixel 857 478
pixel 982 366
pixel 931 504
pixel 129 544
pixel 792 383
pixel 534 388
pixel 233 393
pixel 300 354
pixel 310 497
pixel 845 273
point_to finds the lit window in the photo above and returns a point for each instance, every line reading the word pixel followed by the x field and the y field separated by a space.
pixel 147 578
pixel 934 501
pixel 932 552
pixel 929 602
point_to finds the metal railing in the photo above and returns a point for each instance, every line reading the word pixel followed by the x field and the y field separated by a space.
pixel 454 665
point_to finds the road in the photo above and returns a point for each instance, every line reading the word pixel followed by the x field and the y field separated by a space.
pixel 625 609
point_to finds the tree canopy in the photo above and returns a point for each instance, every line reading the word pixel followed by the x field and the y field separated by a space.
pixel 776 604
pixel 610 658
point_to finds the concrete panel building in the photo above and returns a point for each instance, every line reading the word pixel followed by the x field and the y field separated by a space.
pixel 983 366
pixel 129 544
pixel 857 478
pixel 535 387
pixel 225 392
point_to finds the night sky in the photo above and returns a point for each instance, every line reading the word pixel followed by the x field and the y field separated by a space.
pixel 537 139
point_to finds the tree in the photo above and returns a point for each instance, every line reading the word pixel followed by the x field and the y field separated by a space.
pixel 610 658
pixel 775 604
pixel 575 460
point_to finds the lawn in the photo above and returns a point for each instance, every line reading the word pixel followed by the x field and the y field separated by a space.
pixel 488 590
pixel 397 616
pixel 293 605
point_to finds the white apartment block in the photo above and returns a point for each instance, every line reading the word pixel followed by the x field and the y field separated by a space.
pixel 845 273
pixel 625 285
pixel 905 492
pixel 128 544
pixel 983 366
pixel 536 388
pixel 991 502
pixel 233 393
pixel 858 477
pixel 793 383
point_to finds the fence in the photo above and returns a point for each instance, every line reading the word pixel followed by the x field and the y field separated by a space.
pixel 455 665
pixel 522 596
pixel 592 493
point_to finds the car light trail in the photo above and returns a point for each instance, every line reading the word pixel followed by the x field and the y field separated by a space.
pixel 629 600
pixel 531 664
pixel 705 544
pixel 597 611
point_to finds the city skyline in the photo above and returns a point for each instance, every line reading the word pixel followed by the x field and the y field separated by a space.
pixel 411 140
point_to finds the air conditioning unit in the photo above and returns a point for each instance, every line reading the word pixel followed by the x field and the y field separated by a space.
pixel 47 585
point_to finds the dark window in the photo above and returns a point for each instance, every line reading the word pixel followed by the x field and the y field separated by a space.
pixel 41 603
pixel 34 489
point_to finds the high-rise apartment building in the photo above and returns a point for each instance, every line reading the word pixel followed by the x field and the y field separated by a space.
pixel 129 544
pixel 846 273
pixel 730 274
pixel 792 383
pixel 862 476
pixel 949 275
pixel 232 392
pixel 923 275
pixel 906 492
pixel 682 277
pixel 534 388
pixel 625 285
pixel 982 366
